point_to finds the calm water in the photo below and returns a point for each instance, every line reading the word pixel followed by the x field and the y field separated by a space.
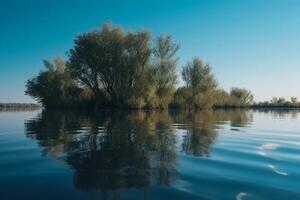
pixel 150 155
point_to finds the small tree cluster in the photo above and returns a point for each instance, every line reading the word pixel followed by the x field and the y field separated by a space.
pixel 110 67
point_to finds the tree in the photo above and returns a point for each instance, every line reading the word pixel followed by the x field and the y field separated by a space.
pixel 243 96
pixel 53 87
pixel 222 98
pixel 294 100
pixel 181 97
pixel 164 68
pixel 110 67
pixel 112 60
pixel 199 77
pixel 274 100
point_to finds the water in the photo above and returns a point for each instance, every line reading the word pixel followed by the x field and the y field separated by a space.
pixel 150 155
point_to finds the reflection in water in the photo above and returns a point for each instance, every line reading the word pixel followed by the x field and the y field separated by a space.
pixel 202 129
pixel 109 151
pixel 280 113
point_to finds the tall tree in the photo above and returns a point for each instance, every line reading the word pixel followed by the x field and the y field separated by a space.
pixel 200 81
pixel 165 63
pixel 113 60
pixel 163 76
pixel 199 76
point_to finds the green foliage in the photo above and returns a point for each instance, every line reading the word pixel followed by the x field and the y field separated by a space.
pixel 199 76
pixel 18 106
pixel 53 87
pixel 279 103
pixel 200 86
pixel 136 103
pixel 204 100
pixel 181 97
pixel 152 100
pixel 164 69
pixel 242 96
pixel 222 98
pixel 110 67
pixel 114 60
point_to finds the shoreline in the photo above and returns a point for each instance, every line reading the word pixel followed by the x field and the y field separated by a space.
pixel 24 107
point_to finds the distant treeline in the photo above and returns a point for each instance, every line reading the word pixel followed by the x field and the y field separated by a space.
pixel 112 68
pixel 19 106
pixel 278 103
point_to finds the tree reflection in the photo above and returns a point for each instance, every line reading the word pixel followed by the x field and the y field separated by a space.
pixel 202 126
pixel 109 151
pixel 280 113
pixel 53 130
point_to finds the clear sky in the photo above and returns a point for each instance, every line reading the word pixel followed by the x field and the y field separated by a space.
pixel 249 43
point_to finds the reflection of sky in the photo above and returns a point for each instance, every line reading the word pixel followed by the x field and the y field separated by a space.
pixel 13 121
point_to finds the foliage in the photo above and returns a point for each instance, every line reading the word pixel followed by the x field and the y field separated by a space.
pixel 18 106
pixel 198 76
pixel 111 67
pixel 53 87
pixel 114 60
pixel 241 96
pixel 164 69
pixel 200 85
pixel 279 103
pixel 181 97
pixel 222 98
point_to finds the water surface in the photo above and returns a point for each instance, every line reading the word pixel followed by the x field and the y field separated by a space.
pixel 150 155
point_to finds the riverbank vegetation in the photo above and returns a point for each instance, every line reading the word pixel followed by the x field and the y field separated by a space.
pixel 18 106
pixel 278 103
pixel 113 68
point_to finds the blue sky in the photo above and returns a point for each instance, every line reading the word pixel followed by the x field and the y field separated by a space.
pixel 249 43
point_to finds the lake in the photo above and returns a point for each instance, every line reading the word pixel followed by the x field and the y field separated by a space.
pixel 240 154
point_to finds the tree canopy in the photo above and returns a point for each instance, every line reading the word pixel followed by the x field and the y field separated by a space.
pixel 164 68
pixel 200 84
pixel 113 60
pixel 53 87
pixel 199 76
pixel 111 67
pixel 243 96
